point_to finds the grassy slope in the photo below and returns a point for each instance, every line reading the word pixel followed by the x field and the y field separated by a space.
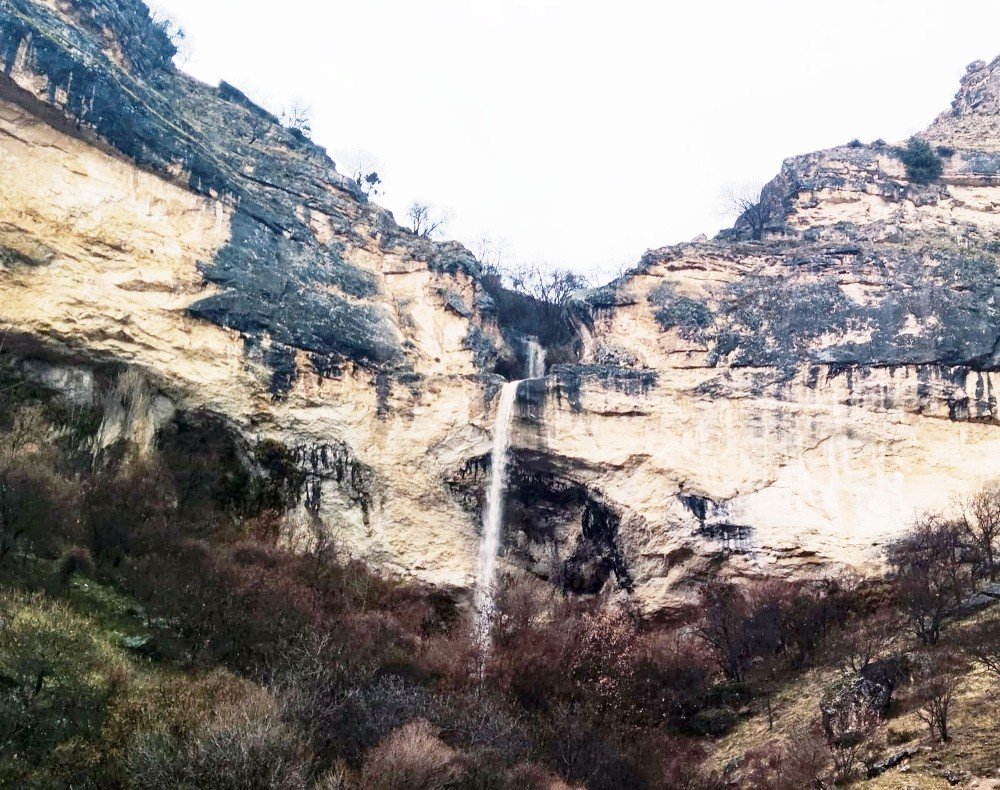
pixel 973 752
pixel 97 689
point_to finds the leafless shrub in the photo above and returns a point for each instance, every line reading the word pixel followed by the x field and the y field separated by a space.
pixel 363 167
pixel 345 708
pixel 678 763
pixel 529 776
pixel 492 255
pixel 29 427
pixel 751 207
pixel 930 574
pixel 245 746
pixel 299 116
pixel 36 508
pixel 940 677
pixel 854 748
pixel 863 641
pixel 982 527
pixel 726 612
pixel 778 766
pixel 425 221
pixel 982 645
pixel 336 778
pixel 115 501
pixel 548 284
pixel 412 758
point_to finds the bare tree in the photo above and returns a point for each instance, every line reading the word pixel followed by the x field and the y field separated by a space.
pixel 298 115
pixel 862 643
pixel 852 751
pixel 425 221
pixel 982 644
pixel 940 680
pixel 748 203
pixel 610 272
pixel 550 285
pixel 256 127
pixel 492 255
pixel 931 575
pixel 982 526
pixel 363 167
pixel 725 612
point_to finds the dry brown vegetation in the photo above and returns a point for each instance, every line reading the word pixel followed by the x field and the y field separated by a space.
pixel 154 634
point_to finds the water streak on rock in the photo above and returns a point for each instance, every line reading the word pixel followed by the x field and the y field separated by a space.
pixel 489 548
pixel 536 358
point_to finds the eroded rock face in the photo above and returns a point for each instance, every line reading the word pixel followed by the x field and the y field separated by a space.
pixel 812 390
pixel 782 405
pixel 153 222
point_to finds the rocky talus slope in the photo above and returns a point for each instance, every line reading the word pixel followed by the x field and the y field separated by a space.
pixel 781 405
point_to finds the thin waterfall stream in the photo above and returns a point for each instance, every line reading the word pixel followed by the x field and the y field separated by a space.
pixel 489 547
pixel 535 352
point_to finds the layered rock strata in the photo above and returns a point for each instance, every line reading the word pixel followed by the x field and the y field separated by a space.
pixel 783 399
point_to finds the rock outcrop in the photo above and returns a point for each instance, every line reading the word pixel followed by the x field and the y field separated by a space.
pixel 782 404
pixel 793 401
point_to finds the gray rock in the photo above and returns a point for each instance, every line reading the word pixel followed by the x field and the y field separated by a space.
pixel 879 768
pixel 848 707
pixel 992 590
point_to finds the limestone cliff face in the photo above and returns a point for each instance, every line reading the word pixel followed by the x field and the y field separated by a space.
pixel 808 393
pixel 153 222
pixel 783 405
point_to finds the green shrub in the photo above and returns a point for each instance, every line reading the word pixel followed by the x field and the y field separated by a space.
pixel 57 677
pixel 691 317
pixel 922 162
pixel 712 722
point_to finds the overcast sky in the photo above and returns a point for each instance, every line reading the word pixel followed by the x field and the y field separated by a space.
pixel 584 133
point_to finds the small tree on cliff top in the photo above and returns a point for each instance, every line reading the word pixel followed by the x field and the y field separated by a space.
pixel 424 220
pixel 922 162
pixel 747 202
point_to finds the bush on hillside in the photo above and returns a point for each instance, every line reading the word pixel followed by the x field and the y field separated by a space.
pixel 245 746
pixel 923 164
pixel 411 758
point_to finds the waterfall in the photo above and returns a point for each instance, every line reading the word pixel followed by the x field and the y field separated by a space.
pixel 536 358
pixel 489 548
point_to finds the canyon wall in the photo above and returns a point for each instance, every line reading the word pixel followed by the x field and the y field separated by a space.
pixel 782 399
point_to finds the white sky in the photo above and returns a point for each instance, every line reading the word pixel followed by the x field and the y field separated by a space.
pixel 584 133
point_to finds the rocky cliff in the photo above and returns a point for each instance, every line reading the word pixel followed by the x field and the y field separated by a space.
pixel 775 404
pixel 808 392
pixel 155 223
